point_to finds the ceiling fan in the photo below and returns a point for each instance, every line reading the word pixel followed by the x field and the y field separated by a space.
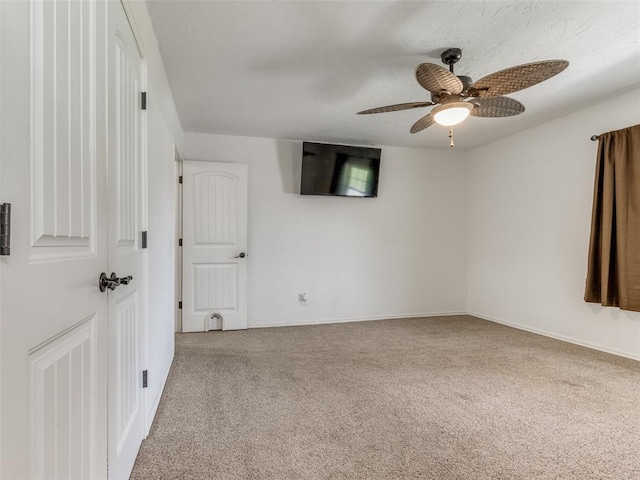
pixel 457 97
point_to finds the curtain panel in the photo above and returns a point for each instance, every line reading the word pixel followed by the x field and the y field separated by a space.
pixel 613 275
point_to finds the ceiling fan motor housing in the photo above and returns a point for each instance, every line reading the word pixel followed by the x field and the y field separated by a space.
pixel 466 83
pixel 444 97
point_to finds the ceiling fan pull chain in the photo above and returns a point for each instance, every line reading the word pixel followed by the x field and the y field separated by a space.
pixel 451 144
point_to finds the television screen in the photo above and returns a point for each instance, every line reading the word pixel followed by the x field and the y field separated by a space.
pixel 339 170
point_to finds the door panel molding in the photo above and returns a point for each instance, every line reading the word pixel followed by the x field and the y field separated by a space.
pixel 215 204
pixel 128 143
pixel 215 286
pixel 127 365
pixel 63 129
pixel 63 404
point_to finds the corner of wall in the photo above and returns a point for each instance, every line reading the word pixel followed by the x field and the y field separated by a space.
pixel 528 220
pixel 467 157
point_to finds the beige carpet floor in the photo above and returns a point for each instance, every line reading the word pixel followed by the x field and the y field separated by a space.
pixel 425 398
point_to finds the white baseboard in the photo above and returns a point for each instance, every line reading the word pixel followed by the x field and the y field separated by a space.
pixel 564 338
pixel 156 402
pixel 324 321
pixel 556 336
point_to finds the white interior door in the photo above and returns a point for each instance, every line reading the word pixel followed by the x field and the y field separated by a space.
pixel 126 302
pixel 54 317
pixel 214 246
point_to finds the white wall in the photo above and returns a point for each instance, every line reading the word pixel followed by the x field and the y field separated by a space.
pixel 529 210
pixel 161 260
pixel 401 254
pixel 164 136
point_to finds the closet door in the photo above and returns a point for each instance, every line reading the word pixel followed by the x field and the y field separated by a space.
pixel 126 300
pixel 53 330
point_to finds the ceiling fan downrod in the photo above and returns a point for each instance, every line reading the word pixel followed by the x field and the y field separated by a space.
pixel 451 56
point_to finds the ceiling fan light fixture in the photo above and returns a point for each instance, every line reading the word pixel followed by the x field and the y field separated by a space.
pixel 452 113
pixel 455 97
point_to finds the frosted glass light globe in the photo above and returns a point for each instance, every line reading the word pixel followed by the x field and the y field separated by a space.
pixel 451 113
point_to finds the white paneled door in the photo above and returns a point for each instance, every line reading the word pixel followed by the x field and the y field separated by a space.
pixel 214 246
pixel 126 302
pixel 71 165
pixel 53 172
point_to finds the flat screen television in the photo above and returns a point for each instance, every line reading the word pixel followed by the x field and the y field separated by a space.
pixel 339 170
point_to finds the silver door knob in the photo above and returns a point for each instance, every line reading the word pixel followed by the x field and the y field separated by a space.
pixel 112 282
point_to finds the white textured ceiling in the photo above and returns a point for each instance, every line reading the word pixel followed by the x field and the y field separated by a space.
pixel 302 69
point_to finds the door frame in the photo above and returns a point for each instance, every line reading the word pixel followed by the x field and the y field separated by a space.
pixel 178 270
pixel 1 162
pixel 237 318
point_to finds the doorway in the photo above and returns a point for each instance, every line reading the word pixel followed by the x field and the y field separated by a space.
pixel 214 246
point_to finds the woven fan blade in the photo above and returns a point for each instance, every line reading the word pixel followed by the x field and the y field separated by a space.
pixel 496 107
pixel 435 79
pixel 423 123
pixel 516 78
pixel 394 108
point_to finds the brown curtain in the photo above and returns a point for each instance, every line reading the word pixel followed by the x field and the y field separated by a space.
pixel 613 277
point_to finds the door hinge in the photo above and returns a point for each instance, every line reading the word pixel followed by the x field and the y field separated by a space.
pixel 144 239
pixel 145 378
pixel 180 179
pixel 5 229
pixel 179 305
pixel 143 100
pixel 180 242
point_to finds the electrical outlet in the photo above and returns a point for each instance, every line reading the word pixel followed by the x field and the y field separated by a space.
pixel 302 298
